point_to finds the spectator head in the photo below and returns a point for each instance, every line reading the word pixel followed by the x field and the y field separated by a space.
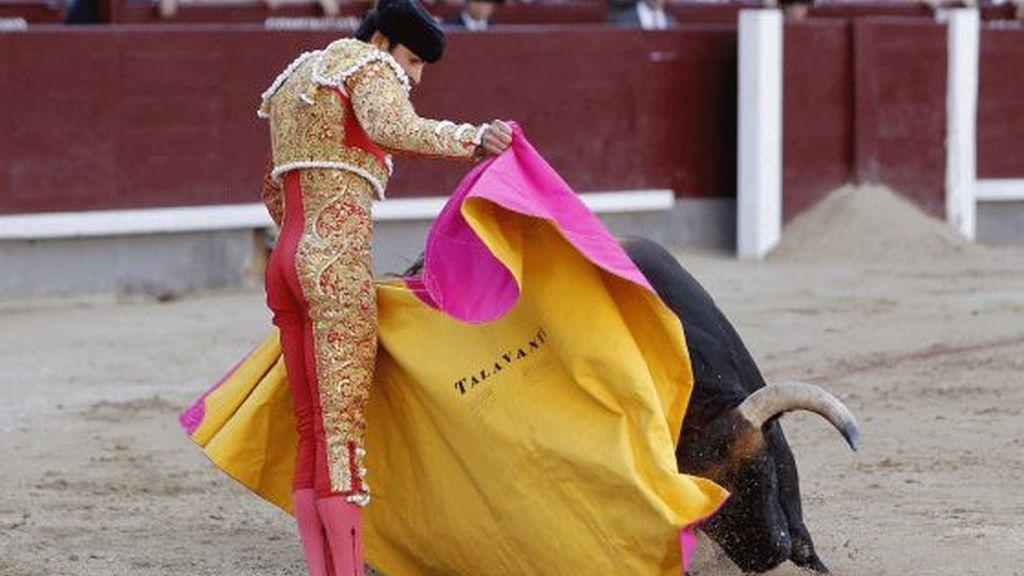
pixel 482 9
pixel 795 9
pixel 404 29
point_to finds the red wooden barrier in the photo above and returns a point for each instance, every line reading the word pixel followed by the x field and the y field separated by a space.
pixel 257 11
pixel 900 107
pixel 112 117
pixel 1001 103
pixel 519 14
pixel 852 10
pixel 36 11
pixel 609 109
pixel 155 116
pixel 537 12
pixel 216 13
pixel 817 112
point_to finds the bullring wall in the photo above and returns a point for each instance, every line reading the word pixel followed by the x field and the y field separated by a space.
pixel 144 116
pixel 1001 102
pixel 141 116
pixel 109 118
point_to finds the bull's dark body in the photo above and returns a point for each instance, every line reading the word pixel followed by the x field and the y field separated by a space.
pixel 761 525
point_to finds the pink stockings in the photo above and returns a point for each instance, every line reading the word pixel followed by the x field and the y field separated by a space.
pixel 342 523
pixel 329 529
pixel 311 532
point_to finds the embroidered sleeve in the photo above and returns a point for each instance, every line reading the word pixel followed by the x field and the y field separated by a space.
pixel 272 196
pixel 382 106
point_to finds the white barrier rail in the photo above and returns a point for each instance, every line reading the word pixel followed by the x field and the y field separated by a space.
pixel 963 33
pixel 240 216
pixel 759 161
pixel 1000 190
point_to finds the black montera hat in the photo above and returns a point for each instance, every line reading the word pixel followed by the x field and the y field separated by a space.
pixel 405 22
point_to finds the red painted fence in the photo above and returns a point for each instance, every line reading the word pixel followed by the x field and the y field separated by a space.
pixel 864 101
pixel 1001 102
pixel 818 112
pixel 609 109
pixel 900 84
pixel 137 116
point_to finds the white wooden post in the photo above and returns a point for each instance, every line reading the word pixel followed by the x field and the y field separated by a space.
pixel 962 120
pixel 759 162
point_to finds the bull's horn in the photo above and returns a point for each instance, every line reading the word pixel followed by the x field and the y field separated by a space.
pixel 770 401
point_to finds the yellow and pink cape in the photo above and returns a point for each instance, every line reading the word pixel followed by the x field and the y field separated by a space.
pixel 529 393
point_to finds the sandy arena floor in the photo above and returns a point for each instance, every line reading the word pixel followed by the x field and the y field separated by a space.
pixel 928 351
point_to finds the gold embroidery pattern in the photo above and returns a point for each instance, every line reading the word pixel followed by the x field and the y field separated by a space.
pixel 307 119
pixel 347 56
pixel 304 133
pixel 386 114
pixel 333 264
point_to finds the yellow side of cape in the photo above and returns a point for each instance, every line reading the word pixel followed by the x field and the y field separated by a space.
pixel 541 443
pixel 248 429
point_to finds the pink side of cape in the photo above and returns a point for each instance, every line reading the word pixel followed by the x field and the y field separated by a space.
pixel 687 545
pixel 193 416
pixel 461 276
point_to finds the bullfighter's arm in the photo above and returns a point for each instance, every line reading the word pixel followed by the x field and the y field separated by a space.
pixel 382 105
pixel 272 196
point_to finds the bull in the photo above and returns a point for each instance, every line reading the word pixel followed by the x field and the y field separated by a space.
pixel 731 431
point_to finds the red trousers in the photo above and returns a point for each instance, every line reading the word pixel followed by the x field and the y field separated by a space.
pixel 291 315
pixel 321 292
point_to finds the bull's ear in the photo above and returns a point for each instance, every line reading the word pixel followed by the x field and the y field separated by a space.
pixel 773 400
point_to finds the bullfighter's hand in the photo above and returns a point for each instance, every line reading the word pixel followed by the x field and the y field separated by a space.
pixel 497 138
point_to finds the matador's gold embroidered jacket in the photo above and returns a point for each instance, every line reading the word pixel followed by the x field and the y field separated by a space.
pixel 335 117
pixel 308 122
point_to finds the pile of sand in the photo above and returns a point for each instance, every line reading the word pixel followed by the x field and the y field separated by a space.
pixel 869 223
